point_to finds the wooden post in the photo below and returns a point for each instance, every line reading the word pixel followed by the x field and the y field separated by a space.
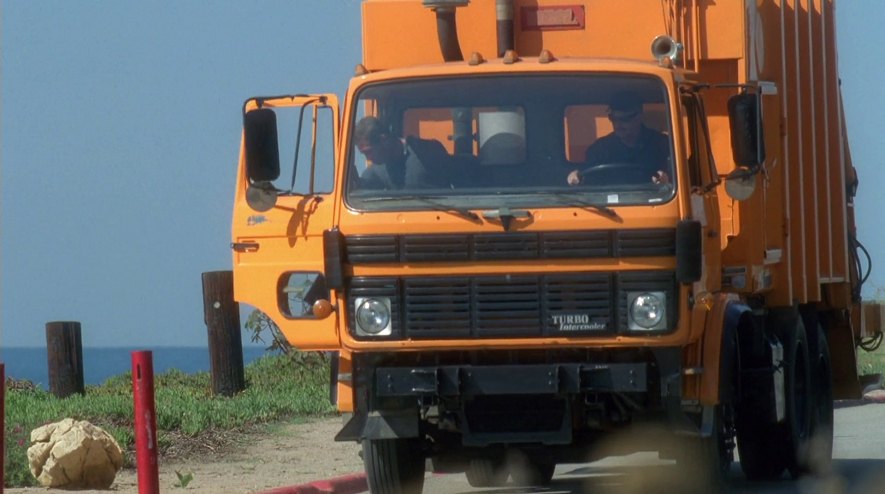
pixel 222 317
pixel 64 350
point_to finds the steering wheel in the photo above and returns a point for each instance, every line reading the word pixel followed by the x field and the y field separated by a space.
pixel 615 173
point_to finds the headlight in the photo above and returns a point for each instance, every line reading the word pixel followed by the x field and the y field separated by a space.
pixel 372 316
pixel 647 310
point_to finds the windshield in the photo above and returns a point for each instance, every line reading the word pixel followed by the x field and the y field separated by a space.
pixel 511 141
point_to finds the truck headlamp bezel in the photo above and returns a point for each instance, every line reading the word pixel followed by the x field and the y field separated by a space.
pixel 646 311
pixel 372 316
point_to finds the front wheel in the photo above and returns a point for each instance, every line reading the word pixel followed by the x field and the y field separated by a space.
pixel 531 471
pixel 394 466
pixel 708 460
pixel 487 472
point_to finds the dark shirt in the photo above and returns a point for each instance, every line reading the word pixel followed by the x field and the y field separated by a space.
pixel 423 165
pixel 651 153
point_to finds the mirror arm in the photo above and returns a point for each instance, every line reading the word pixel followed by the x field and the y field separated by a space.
pixel 298 139
pixel 313 149
pixel 712 185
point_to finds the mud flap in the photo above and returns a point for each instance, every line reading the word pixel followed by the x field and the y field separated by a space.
pixel 389 424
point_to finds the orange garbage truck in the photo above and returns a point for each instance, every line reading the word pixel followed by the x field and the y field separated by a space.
pixel 534 225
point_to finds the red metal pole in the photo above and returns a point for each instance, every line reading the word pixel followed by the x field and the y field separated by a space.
pixel 145 423
pixel 2 425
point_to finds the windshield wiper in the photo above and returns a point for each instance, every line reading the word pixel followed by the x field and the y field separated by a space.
pixel 435 205
pixel 570 199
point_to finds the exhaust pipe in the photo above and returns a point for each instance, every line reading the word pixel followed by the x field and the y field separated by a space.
pixel 446 28
pixel 447 32
pixel 504 18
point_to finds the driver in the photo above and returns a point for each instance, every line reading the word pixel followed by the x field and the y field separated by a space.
pixel 631 142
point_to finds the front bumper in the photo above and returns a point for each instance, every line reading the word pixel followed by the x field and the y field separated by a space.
pixel 484 401
pixel 469 381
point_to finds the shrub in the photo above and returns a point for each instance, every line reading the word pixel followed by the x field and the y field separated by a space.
pixel 279 387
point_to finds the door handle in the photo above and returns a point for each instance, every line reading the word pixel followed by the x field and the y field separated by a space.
pixel 244 246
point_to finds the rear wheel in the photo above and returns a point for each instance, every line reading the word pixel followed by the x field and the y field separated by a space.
pixel 796 432
pixel 487 472
pixel 818 452
pixel 394 466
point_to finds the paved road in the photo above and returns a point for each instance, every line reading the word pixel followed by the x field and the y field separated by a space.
pixel 858 468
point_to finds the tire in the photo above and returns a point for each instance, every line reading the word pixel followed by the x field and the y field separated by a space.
pixel 760 450
pixel 394 466
pixel 528 471
pixel 719 448
pixel 796 431
pixel 487 472
pixel 817 455
pixel 766 449
pixel 707 460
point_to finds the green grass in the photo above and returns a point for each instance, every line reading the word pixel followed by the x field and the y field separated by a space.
pixel 871 362
pixel 278 387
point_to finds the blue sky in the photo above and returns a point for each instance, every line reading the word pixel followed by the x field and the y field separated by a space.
pixel 120 134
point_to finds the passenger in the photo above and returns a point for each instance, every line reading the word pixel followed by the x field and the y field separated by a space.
pixel 630 143
pixel 399 163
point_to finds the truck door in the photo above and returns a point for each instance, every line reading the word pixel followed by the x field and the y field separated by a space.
pixel 703 178
pixel 285 201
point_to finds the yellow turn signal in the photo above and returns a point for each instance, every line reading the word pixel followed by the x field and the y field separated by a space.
pixel 322 308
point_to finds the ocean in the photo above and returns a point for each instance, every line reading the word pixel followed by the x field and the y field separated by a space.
pixel 102 363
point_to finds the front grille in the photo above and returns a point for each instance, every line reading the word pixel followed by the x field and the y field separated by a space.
pixel 511 306
pixel 582 244
pixel 438 307
pixel 368 249
pixel 637 243
pixel 507 306
pixel 505 246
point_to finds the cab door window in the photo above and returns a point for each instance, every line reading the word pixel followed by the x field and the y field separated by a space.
pixel 307 143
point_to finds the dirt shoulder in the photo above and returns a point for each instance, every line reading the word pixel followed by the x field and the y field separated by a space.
pixel 284 454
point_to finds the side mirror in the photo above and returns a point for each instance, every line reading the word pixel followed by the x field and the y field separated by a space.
pixel 747 144
pixel 262 148
pixel 261 196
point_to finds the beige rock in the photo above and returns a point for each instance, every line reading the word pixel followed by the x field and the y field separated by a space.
pixel 74 454
pixel 877 395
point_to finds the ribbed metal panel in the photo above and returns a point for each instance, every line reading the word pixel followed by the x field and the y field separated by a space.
pixel 507 306
pixel 580 244
pixel 437 307
pixel 435 248
pixel 590 294
pixel 512 306
pixel 371 249
pixel 639 243
pixel 505 246
pixel 510 246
